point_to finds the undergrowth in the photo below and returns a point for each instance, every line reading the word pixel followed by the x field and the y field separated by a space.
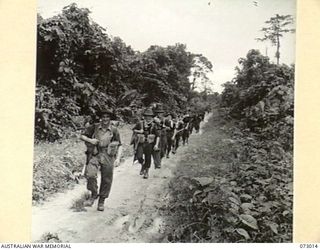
pixel 50 238
pixel 231 187
pixel 78 204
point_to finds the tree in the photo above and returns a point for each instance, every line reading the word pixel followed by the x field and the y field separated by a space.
pixel 81 69
pixel 262 96
pixel 199 72
pixel 277 26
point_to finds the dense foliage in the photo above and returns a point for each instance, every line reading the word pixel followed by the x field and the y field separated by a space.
pixel 244 190
pixel 247 199
pixel 81 69
pixel 262 97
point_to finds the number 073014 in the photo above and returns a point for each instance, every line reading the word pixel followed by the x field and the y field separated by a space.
pixel 308 245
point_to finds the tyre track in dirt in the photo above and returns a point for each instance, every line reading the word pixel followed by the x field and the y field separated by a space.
pixel 131 212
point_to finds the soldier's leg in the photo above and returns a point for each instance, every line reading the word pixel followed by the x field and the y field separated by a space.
pixel 197 127
pixel 139 153
pixel 174 143
pixel 169 145
pixel 91 176
pixel 164 146
pixel 191 128
pixel 147 151
pixel 184 137
pixel 88 157
pixel 106 181
pixel 187 136
pixel 177 142
pixel 139 156
pixel 156 155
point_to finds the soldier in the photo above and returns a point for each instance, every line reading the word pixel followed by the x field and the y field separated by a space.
pixel 196 122
pixel 186 131
pixel 106 142
pixel 191 125
pixel 160 125
pixel 147 139
pixel 179 126
pixel 134 138
pixel 170 127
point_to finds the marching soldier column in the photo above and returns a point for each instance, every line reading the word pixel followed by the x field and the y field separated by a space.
pixel 154 136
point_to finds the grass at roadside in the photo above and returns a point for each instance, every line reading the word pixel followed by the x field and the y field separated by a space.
pixel 78 204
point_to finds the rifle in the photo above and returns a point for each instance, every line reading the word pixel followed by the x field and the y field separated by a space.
pixel 83 169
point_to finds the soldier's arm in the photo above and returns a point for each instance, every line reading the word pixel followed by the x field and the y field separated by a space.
pixel 89 140
pixel 88 133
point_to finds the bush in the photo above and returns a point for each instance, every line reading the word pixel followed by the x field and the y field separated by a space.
pixel 81 70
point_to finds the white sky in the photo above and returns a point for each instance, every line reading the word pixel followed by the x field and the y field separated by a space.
pixel 223 31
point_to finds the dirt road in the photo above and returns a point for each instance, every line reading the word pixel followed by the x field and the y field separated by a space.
pixel 131 212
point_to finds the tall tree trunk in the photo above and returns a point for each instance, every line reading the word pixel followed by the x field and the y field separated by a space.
pixel 193 84
pixel 278 50
pixel 278 39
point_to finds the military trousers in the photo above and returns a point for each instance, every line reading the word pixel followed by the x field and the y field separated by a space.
pixel 185 136
pixel 156 155
pixel 197 126
pixel 144 153
pixel 105 165
pixel 176 142
pixel 169 142
pixel 163 146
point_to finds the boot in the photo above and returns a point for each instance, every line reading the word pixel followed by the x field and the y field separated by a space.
pixel 146 174
pixel 142 171
pixel 101 204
